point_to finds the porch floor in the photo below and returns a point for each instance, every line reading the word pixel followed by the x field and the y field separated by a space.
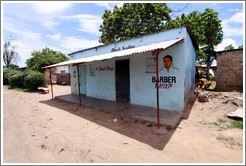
pixel 148 114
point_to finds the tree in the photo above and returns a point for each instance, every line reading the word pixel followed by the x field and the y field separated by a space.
pixel 212 36
pixel 132 20
pixel 10 56
pixel 229 47
pixel 192 21
pixel 212 27
pixel 44 57
pixel 207 31
pixel 240 46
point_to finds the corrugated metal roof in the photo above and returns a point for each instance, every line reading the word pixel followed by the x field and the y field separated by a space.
pixel 150 47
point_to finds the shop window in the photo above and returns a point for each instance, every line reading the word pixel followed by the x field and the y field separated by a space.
pixel 63 72
pixel 74 74
pixel 150 65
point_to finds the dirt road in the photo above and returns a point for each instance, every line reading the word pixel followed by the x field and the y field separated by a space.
pixel 37 129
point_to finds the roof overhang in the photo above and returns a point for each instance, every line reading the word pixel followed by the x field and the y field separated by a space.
pixel 160 45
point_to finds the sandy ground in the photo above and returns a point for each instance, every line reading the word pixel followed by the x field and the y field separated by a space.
pixel 37 129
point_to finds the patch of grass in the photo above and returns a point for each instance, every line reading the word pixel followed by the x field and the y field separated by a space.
pixel 224 124
pixel 237 124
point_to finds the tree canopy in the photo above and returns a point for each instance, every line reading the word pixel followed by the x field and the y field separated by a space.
pixel 207 31
pixel 132 20
pixel 44 57
pixel 136 19
pixel 229 47
pixel 240 46
pixel 191 20
pixel 205 27
pixel 10 56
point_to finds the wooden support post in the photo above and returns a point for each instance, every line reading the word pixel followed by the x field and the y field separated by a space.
pixel 51 84
pixel 156 53
pixel 78 75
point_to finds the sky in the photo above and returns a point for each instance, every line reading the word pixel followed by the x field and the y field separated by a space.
pixel 68 26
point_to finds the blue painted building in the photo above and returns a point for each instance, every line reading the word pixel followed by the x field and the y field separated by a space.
pixel 126 70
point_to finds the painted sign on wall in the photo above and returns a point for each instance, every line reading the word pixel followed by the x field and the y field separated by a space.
pixel 122 48
pixel 167 74
pixel 94 69
pixel 104 68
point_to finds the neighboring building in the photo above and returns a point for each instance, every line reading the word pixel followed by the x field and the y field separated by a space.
pixel 229 70
pixel 126 70
pixel 203 67
pixel 60 75
pixel 61 70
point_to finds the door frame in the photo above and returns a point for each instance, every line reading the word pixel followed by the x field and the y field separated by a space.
pixel 128 96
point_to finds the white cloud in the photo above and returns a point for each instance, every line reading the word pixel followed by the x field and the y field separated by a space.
pixel 26 40
pixel 24 33
pixel 106 5
pixel 25 48
pixel 233 26
pixel 49 8
pixel 230 31
pixel 49 22
pixel 237 18
pixel 234 10
pixel 88 23
pixel 226 42
pixel 109 6
pixel 71 44
pixel 55 37
pixel 65 44
pixel 49 12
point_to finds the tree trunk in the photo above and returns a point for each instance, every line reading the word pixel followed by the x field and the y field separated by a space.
pixel 208 63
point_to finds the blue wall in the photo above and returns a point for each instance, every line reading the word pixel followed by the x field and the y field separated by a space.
pixel 143 90
pixel 102 84
pixel 100 75
pixel 139 41
pixel 190 68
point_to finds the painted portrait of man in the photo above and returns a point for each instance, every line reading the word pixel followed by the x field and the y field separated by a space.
pixel 168 63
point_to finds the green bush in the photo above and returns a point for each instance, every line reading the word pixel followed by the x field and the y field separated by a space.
pixel 8 72
pixel 5 76
pixel 33 79
pixel 15 78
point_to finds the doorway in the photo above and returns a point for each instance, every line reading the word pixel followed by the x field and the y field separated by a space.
pixel 122 78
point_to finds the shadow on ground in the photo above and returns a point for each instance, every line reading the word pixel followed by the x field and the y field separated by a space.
pixel 122 122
